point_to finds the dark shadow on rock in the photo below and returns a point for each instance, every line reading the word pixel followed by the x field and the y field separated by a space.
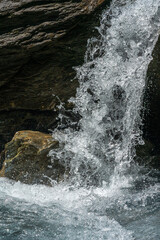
pixel 37 56
pixel 151 112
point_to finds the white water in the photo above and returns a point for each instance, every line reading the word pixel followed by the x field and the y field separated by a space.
pixel 58 213
pixel 115 199
pixel 112 81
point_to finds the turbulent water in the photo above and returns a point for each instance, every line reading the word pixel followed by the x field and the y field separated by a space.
pixel 109 196
pixel 112 82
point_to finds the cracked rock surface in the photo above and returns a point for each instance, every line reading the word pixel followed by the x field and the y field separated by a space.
pixel 40 43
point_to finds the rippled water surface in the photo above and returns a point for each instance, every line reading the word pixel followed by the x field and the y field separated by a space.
pixel 61 212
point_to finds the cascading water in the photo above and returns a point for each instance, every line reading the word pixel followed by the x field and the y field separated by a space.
pixel 112 82
pixel 113 201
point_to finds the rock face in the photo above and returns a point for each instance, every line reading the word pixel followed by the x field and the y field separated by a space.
pixel 150 152
pixel 146 156
pixel 40 42
pixel 26 159
pixel 30 32
pixel 152 101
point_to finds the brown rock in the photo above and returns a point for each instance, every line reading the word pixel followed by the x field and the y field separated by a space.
pixel 40 43
pixel 34 62
pixel 27 160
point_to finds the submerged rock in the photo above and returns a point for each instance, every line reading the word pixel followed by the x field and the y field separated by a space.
pixel 27 160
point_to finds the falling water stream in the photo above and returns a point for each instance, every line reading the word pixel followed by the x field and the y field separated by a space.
pixel 108 195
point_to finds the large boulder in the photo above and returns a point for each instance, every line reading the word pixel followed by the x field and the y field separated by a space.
pixel 40 42
pixel 26 159
pixel 30 33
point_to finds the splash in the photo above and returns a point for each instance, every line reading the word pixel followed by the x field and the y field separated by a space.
pixel 100 151
pixel 109 98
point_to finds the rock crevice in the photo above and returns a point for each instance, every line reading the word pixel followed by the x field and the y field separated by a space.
pixel 40 43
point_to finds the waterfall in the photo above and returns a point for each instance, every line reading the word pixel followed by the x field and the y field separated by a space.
pixel 110 94
pixel 100 200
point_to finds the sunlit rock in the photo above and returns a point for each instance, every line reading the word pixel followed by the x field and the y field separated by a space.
pixel 27 160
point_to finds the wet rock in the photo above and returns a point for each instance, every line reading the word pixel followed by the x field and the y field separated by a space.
pixel 12 121
pixel 40 42
pixel 149 153
pixel 27 160
pixel 146 155
pixel 35 61
pixel 152 101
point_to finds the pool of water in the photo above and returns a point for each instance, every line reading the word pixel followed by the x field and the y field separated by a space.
pixel 94 213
